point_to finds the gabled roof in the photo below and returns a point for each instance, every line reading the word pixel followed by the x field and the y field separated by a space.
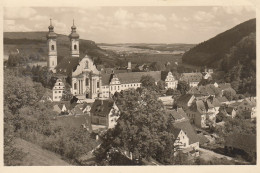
pixel 68 65
pixel 222 99
pixel 250 102
pixel 101 107
pixel 200 106
pixel 191 77
pixel 76 111
pixel 206 82
pixel 188 129
pixel 164 74
pixel 176 116
pixel 245 142
pixel 106 78
pixel 204 90
pixel 183 99
pixel 135 77
pixel 214 101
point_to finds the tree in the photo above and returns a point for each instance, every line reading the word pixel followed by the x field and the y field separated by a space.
pixel 229 93
pixel 12 155
pixel 142 128
pixel 183 87
pixel 18 91
pixel 148 82
pixel 67 95
pixel 161 85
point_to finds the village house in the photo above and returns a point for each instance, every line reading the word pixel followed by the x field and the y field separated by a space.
pixel 203 113
pixel 104 114
pixel 207 73
pixel 192 79
pixel 185 101
pixel 58 90
pixel 47 96
pixel 206 90
pixel 169 80
pixel 248 106
pixel 187 140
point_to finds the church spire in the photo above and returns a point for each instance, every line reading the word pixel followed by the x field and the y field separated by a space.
pixel 52 49
pixel 74 40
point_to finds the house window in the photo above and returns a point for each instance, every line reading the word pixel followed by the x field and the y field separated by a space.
pixel 59 91
pixel 59 83
pixel 52 62
pixel 86 64
pixel 115 87
pixel 75 86
pixel 86 81
pixel 97 84
pixel 55 91
pixel 75 47
pixel 55 97
pixel 118 87
pixel 52 47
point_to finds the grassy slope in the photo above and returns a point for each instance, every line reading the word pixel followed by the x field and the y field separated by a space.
pixel 213 50
pixel 36 156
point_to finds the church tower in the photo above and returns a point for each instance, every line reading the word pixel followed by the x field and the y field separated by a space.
pixel 52 49
pixel 74 41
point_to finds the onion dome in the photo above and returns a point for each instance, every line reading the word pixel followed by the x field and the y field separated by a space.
pixel 74 33
pixel 51 33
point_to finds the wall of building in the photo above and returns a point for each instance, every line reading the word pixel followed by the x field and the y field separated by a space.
pixel 58 90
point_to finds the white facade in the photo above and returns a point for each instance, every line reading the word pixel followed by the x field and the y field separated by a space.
pixel 58 90
pixel 193 84
pixel 170 81
pixel 86 80
pixel 52 55
pixel 182 140
pixel 74 47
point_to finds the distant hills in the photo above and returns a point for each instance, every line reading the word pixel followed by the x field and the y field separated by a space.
pixel 214 52
pixel 34 44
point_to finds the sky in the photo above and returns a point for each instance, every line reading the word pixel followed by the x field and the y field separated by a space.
pixel 136 24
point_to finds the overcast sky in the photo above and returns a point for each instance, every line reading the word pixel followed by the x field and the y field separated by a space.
pixel 131 24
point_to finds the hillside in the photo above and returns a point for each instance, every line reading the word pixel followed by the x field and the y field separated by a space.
pixel 36 156
pixel 212 52
pixel 33 45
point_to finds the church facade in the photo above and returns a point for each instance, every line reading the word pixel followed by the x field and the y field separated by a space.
pixel 86 81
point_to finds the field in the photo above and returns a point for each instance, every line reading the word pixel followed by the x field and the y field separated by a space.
pixel 147 53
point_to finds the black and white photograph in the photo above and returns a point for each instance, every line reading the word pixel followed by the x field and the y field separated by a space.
pixel 129 85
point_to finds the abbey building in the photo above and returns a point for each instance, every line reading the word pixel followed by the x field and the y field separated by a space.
pixel 86 81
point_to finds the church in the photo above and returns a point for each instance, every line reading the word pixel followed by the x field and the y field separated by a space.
pixel 86 81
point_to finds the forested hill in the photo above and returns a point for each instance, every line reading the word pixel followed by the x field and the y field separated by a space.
pixel 34 44
pixel 212 52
